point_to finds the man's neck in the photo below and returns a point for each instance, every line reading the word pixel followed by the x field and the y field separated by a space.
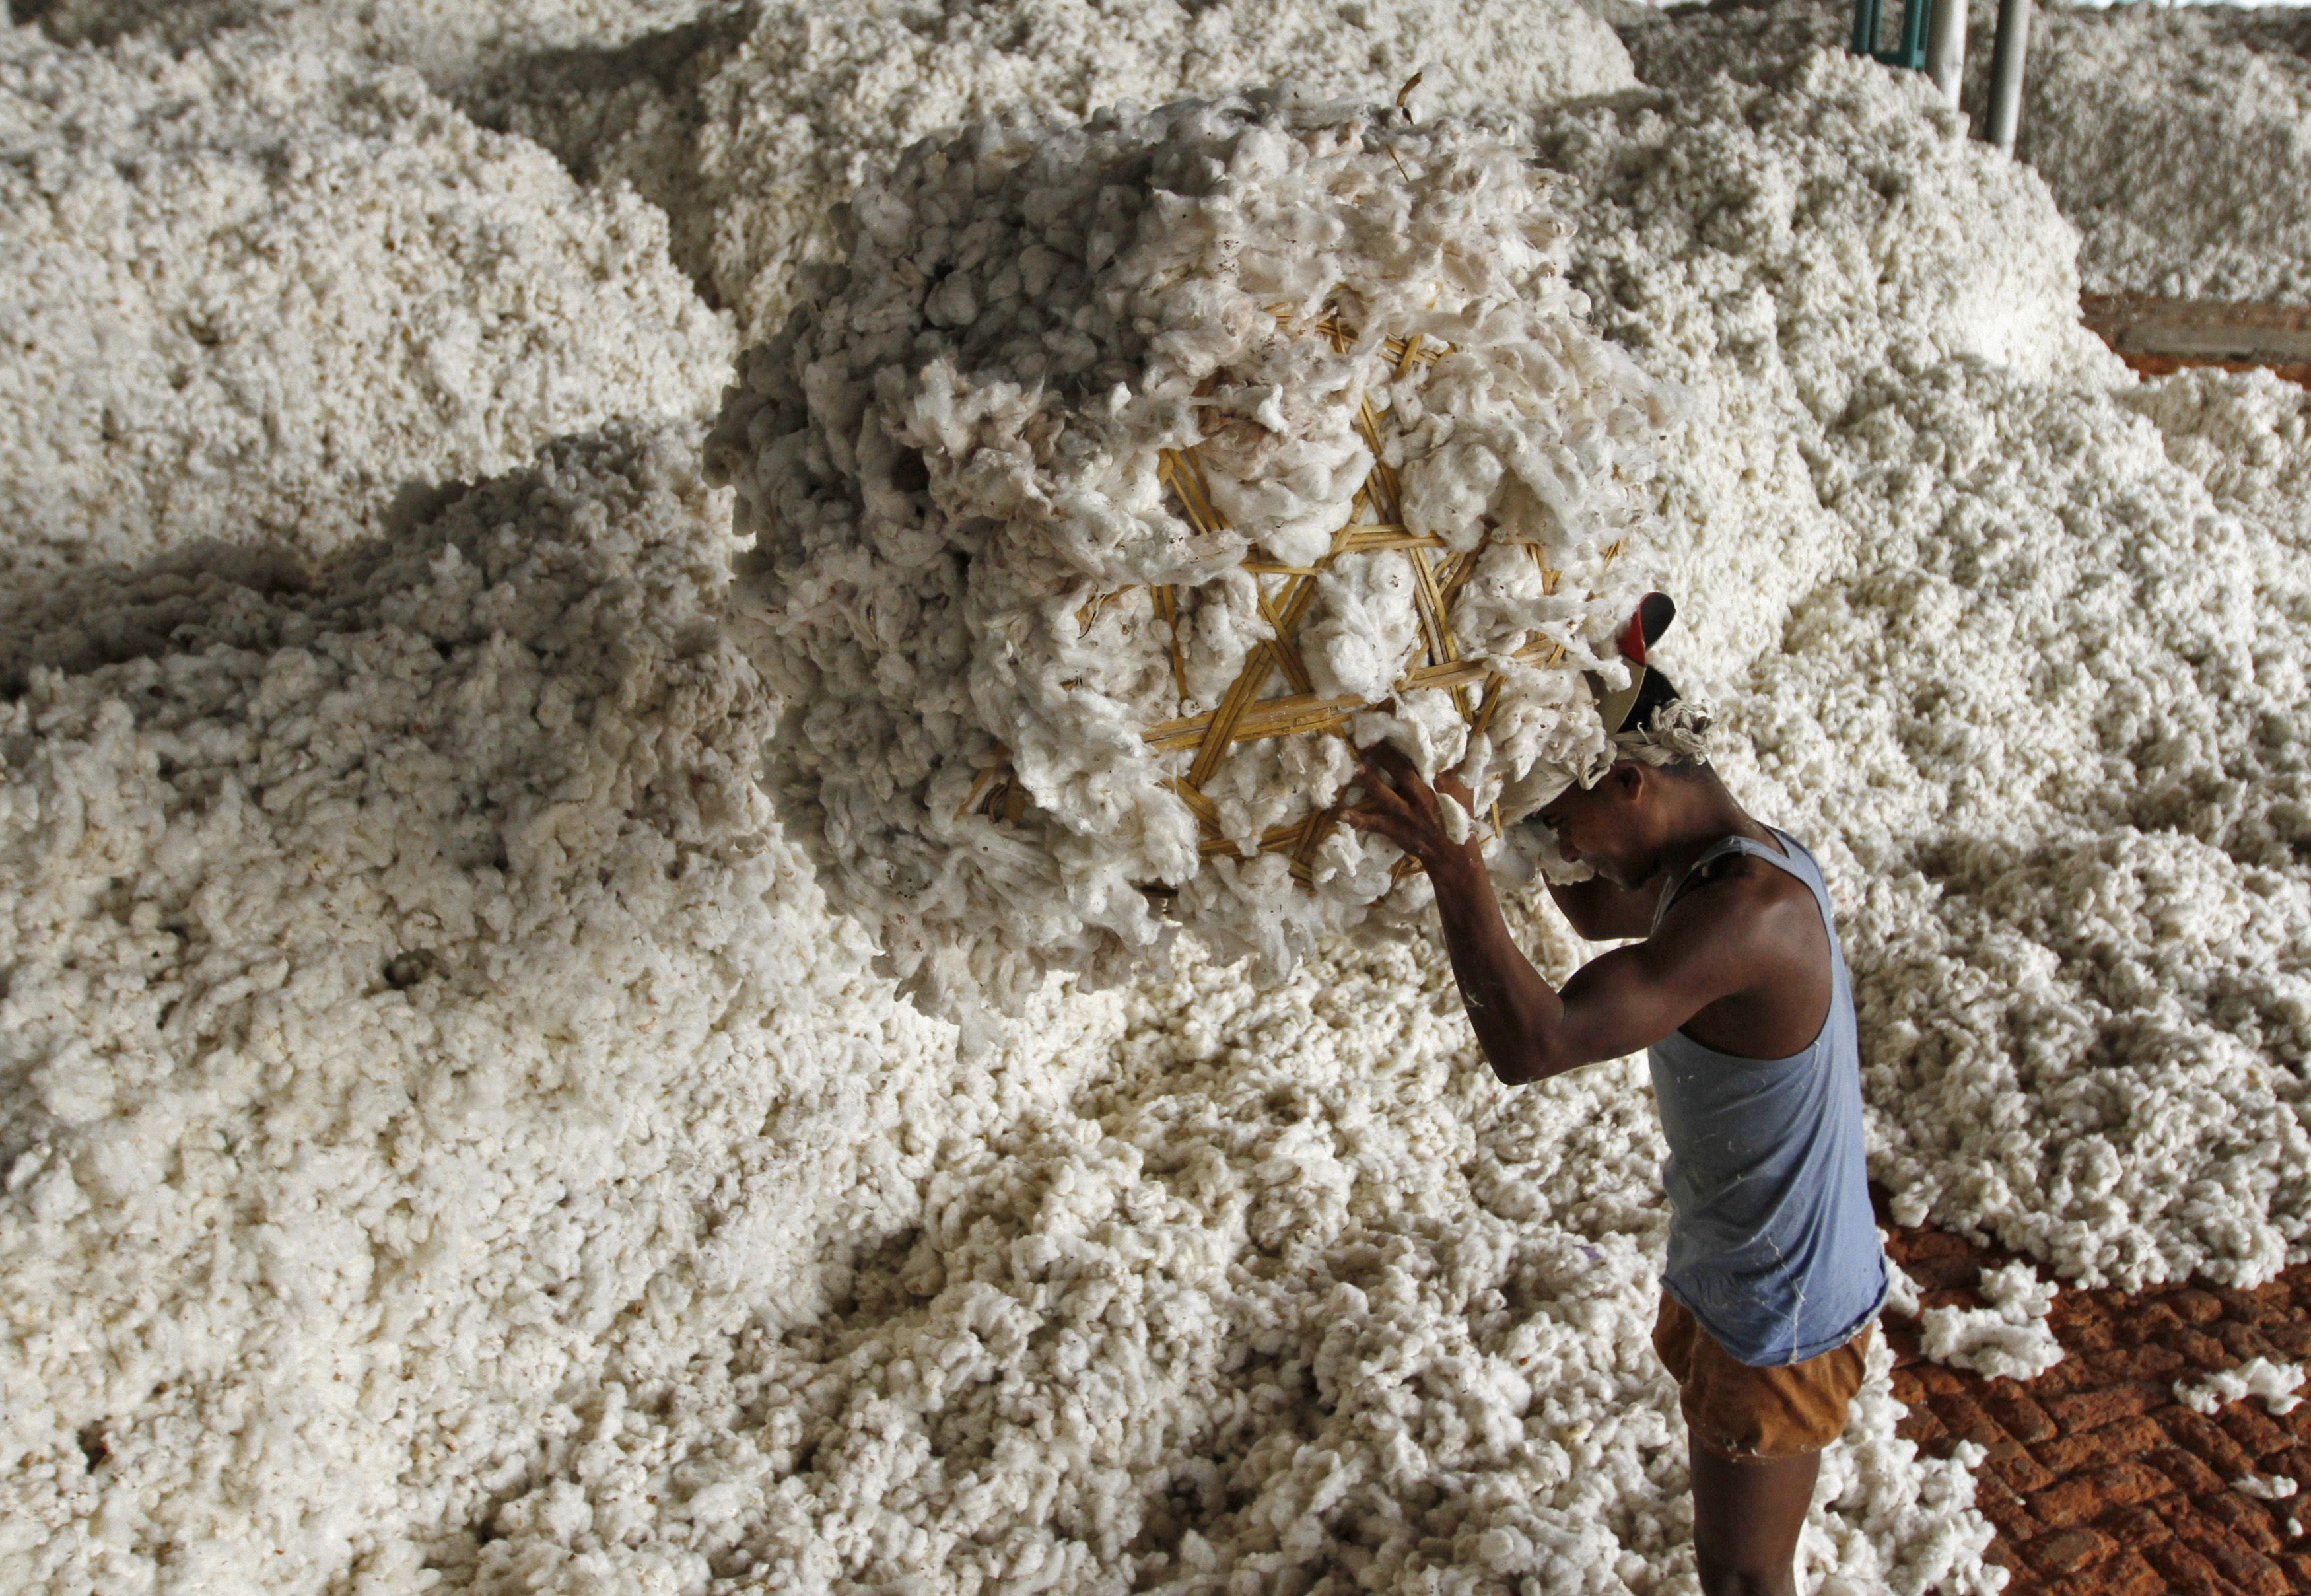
pixel 1700 813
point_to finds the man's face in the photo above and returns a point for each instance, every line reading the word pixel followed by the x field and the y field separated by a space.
pixel 1597 826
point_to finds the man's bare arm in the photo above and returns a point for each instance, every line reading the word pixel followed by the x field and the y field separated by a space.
pixel 1614 1005
pixel 1600 911
pixel 1626 1000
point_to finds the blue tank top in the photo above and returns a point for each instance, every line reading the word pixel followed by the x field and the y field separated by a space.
pixel 1772 1243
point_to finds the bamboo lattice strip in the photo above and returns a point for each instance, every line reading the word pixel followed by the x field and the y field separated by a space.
pixel 1457 572
pixel 1178 470
pixel 1320 825
pixel 996 792
pixel 1364 537
pixel 1285 647
pixel 1166 605
pixel 980 783
pixel 1208 814
pixel 1429 604
pixel 1276 839
pixel 1217 731
pixel 1493 682
pixel 1549 578
pixel 1282 716
pixel 1389 501
pixel 1436 618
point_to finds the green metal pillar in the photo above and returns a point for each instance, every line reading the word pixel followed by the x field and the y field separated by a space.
pixel 1917 16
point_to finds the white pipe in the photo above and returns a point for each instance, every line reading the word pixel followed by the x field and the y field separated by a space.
pixel 1946 47
pixel 2006 72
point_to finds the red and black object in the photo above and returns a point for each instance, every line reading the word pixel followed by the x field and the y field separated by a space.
pixel 1632 708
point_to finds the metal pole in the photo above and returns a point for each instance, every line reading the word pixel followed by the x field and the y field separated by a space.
pixel 1946 47
pixel 2006 72
pixel 1866 13
pixel 1912 51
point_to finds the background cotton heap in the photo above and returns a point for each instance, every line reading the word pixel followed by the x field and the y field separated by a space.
pixel 748 128
pixel 1115 444
pixel 254 290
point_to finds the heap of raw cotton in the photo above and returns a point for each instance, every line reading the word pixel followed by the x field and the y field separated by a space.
pixel 2180 141
pixel 449 41
pixel 1131 473
pixel 750 128
pixel 256 290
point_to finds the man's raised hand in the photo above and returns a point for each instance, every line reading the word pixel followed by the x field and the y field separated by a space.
pixel 1399 805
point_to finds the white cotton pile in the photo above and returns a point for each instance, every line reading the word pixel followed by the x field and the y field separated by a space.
pixel 414 1027
pixel 2017 647
pixel 446 1140
pixel 2009 1339
pixel 448 1144
pixel 2275 1383
pixel 256 290
pixel 2178 139
pixel 451 42
pixel 962 465
pixel 2075 867
pixel 766 123
pixel 1285 1295
pixel 2175 138
pixel 1782 228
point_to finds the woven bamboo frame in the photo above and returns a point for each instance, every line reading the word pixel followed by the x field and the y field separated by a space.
pixel 1375 523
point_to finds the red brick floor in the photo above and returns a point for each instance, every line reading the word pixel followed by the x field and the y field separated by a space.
pixel 2099 1483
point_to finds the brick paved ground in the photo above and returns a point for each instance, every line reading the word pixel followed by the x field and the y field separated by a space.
pixel 2099 1483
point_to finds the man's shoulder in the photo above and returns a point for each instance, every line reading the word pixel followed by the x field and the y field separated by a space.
pixel 1737 888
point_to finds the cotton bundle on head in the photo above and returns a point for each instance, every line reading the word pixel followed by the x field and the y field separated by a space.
pixel 1125 474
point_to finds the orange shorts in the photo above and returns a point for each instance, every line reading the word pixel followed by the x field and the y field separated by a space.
pixel 1743 1412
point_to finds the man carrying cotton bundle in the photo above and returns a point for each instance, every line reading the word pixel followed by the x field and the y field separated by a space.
pixel 1738 990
